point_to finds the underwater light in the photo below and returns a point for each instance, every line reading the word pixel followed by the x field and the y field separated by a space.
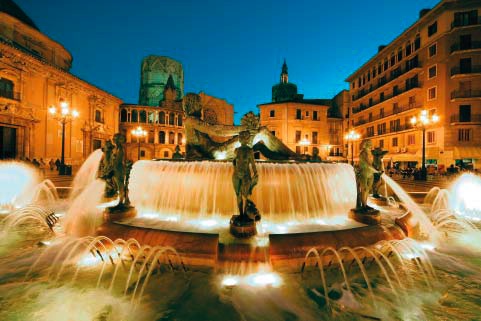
pixel 263 279
pixel 230 281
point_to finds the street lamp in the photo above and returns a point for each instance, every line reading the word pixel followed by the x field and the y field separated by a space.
pixel 304 142
pixel 351 137
pixel 64 116
pixel 421 122
pixel 139 132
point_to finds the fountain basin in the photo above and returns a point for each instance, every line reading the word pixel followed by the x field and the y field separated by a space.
pixel 286 252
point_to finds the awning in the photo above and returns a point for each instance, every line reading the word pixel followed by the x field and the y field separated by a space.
pixel 467 152
pixel 402 157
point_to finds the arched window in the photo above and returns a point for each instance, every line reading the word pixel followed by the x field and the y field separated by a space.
pixel 179 138
pixel 171 119
pixel 143 116
pixel 179 120
pixel 123 115
pixel 161 117
pixel 135 116
pixel 151 118
pixel 171 138
pixel 161 137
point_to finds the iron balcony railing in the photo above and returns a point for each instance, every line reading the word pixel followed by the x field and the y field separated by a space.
pixel 474 118
pixel 463 23
pixel 465 94
pixel 466 70
pixel 412 85
pixel 336 154
pixel 468 46
pixel 394 74
pixel 9 94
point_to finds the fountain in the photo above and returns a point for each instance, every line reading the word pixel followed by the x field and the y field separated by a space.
pixel 176 259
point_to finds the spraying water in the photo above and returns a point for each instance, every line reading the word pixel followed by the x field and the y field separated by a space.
pixel 86 174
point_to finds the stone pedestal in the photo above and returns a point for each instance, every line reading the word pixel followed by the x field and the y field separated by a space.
pixel 242 226
pixel 369 216
pixel 117 213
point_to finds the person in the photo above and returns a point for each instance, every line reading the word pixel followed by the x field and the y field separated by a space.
pixel 51 164
pixel 35 163
pixel 57 164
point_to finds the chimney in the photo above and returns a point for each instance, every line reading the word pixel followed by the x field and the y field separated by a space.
pixel 380 48
pixel 423 12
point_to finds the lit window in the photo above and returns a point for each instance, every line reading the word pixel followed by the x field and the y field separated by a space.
pixel 431 137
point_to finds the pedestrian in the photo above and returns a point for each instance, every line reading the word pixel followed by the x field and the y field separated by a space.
pixel 57 164
pixel 35 163
pixel 42 166
pixel 51 163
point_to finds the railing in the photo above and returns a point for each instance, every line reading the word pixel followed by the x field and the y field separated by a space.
pixel 470 46
pixel 471 70
pixel 395 111
pixel 466 94
pixel 9 94
pixel 396 73
pixel 362 107
pixel 461 23
pixel 475 118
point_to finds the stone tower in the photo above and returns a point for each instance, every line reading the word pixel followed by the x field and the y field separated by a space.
pixel 155 73
pixel 284 90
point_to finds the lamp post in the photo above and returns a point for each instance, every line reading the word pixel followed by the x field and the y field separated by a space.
pixel 66 115
pixel 351 137
pixel 139 132
pixel 421 122
pixel 304 142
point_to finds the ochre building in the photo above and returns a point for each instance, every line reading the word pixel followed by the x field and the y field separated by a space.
pixel 34 76
pixel 434 65
pixel 305 124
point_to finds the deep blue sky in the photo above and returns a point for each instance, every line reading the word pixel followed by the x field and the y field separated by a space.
pixel 230 49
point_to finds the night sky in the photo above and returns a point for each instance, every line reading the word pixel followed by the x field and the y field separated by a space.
pixel 230 49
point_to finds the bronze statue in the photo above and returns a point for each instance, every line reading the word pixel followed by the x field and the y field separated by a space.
pixel 364 180
pixel 243 179
pixel 106 171
pixel 207 141
pixel 364 174
pixel 177 154
pixel 115 170
pixel 377 154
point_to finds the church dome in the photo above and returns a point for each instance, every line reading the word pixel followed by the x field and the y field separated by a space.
pixel 284 92
pixel 12 9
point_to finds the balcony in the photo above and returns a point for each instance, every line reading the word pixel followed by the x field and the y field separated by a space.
pixel 332 154
pixel 10 94
pixel 463 23
pixel 394 74
pixel 475 118
pixel 456 94
pixel 413 85
pixel 465 71
pixel 388 114
pixel 470 46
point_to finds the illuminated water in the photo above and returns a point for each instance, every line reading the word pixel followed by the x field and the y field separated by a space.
pixel 60 273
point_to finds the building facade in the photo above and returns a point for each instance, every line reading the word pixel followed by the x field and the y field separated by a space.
pixel 434 65
pixel 304 124
pixel 34 76
pixel 164 124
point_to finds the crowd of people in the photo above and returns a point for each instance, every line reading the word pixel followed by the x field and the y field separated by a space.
pixel 42 165
pixel 411 172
